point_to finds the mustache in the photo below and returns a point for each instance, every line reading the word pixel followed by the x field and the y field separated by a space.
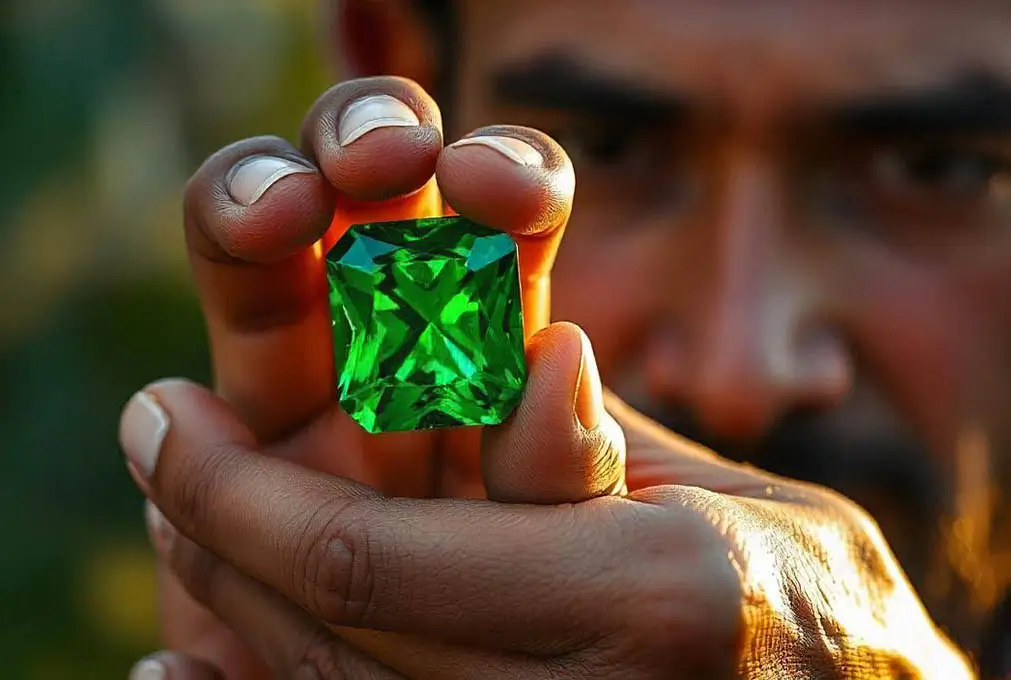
pixel 845 455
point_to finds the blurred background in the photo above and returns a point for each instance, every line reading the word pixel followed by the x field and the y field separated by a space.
pixel 108 106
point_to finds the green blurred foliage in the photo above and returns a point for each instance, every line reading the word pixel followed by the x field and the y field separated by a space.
pixel 108 105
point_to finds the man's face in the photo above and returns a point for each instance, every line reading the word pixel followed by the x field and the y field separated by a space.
pixel 791 231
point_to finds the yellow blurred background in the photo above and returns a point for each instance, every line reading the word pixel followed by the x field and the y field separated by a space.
pixel 108 106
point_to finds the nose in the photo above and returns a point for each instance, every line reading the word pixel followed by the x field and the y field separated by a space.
pixel 754 341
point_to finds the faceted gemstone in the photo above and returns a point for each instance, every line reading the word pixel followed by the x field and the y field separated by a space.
pixel 427 324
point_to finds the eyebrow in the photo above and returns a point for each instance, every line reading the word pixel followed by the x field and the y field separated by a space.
pixel 974 104
pixel 561 83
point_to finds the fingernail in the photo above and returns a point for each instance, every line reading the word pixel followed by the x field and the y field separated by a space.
pixel 148 669
pixel 162 533
pixel 142 432
pixel 371 113
pixel 252 177
pixel 589 390
pixel 516 150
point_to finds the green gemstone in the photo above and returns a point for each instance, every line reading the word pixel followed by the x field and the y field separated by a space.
pixel 427 324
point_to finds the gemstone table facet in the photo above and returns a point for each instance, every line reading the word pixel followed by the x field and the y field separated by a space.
pixel 427 324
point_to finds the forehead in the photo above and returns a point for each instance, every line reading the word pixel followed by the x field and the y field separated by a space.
pixel 763 51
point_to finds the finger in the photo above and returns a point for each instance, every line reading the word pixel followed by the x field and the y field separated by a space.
pixel 173 666
pixel 520 181
pixel 560 445
pixel 289 638
pixel 378 141
pixel 255 214
pixel 375 139
pixel 291 642
pixel 253 211
pixel 356 559
pixel 190 630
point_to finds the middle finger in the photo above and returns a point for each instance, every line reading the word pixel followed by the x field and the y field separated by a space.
pixel 520 181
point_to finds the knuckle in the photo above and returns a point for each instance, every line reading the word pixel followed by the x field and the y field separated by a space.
pixel 333 571
pixel 607 463
pixel 687 585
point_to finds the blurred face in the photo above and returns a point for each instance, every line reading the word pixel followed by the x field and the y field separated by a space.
pixel 791 232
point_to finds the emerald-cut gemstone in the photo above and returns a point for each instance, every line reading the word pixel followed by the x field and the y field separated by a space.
pixel 427 324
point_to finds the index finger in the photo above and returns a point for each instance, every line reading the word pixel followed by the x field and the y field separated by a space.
pixel 471 572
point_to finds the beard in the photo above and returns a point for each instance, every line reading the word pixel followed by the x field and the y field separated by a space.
pixel 864 452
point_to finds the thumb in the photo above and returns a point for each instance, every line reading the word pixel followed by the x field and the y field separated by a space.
pixel 560 445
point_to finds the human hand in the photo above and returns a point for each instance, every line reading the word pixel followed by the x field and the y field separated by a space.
pixel 721 571
pixel 258 269
pixel 260 215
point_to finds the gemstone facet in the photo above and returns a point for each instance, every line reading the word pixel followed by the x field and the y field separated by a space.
pixel 427 324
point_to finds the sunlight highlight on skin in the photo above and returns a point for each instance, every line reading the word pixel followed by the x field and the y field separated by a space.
pixel 786 599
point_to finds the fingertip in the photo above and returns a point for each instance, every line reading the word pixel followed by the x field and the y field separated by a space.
pixel 198 411
pixel 553 364
pixel 554 347
pixel 511 178
pixel 251 178
pixel 512 149
pixel 375 138
pixel 545 453
pixel 258 201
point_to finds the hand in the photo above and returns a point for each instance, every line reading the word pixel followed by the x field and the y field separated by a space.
pixel 727 573
pixel 259 216
pixel 258 272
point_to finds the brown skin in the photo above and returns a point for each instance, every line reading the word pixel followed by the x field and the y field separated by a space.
pixel 718 572
pixel 708 257
pixel 722 289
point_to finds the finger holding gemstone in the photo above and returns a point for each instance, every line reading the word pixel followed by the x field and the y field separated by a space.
pixel 430 315
pixel 521 182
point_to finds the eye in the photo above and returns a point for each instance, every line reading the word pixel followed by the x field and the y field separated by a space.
pixel 643 167
pixel 607 146
pixel 939 172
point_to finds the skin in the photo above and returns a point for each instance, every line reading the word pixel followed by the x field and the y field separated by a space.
pixel 751 259
pixel 756 251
